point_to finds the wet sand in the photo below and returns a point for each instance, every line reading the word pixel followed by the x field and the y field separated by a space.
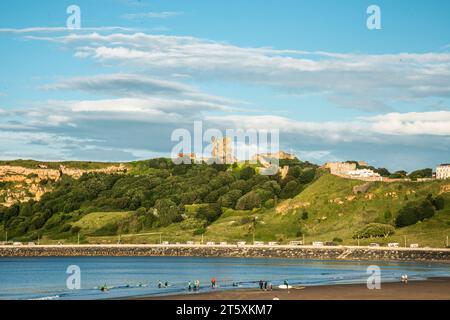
pixel 431 289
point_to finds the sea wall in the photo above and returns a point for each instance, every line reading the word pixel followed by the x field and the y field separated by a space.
pixel 301 252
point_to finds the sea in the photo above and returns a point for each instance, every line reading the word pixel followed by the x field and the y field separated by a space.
pixel 81 278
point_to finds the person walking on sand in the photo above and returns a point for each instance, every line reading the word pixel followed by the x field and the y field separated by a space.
pixel 189 286
pixel 261 284
pixel 197 284
pixel 265 285
pixel 213 282
pixel 270 286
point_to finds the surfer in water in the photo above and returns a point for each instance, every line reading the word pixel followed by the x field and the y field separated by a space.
pixel 104 288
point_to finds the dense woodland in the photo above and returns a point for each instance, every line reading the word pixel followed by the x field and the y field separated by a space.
pixel 158 191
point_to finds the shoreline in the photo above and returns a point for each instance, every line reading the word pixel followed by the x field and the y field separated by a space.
pixel 349 253
pixel 428 289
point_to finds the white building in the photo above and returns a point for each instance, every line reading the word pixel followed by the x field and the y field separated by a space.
pixel 443 171
pixel 363 173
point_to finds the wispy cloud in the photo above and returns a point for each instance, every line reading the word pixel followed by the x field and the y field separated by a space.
pixel 360 129
pixel 348 80
pixel 95 128
pixel 152 15
pixel 63 29
pixel 142 87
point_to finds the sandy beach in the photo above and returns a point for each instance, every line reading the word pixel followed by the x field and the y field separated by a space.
pixel 431 289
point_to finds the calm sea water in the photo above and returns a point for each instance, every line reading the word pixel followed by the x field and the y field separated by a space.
pixel 45 278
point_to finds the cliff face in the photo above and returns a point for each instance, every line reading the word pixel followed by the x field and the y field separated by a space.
pixel 19 184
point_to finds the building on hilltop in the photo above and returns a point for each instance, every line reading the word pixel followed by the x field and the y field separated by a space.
pixel 339 168
pixel 280 155
pixel 363 173
pixel 363 164
pixel 222 150
pixel 443 171
pixel 349 170
pixel 190 156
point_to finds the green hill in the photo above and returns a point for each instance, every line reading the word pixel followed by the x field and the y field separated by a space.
pixel 231 203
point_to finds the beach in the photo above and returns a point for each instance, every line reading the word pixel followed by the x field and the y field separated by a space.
pixel 430 289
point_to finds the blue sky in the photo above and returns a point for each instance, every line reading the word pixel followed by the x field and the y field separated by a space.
pixel 137 70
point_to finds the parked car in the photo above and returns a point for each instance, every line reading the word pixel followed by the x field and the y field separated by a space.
pixel 317 243
pixel 273 243
pixel 224 243
pixel 241 243
pixel 258 243
pixel 414 245
pixel 295 243
pixel 393 244
pixel 331 244
pixel 374 245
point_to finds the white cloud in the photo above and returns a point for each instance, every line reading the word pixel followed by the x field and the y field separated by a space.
pixel 158 15
pixel 349 79
pixel 137 85
pixel 359 129
pixel 63 29
pixel 130 128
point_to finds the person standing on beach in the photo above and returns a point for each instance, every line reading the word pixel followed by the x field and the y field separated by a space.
pixel 260 284
pixel 270 286
pixel 286 283
pixel 213 282
pixel 265 285
pixel 189 286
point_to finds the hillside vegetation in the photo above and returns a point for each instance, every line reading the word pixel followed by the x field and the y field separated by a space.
pixel 33 164
pixel 158 200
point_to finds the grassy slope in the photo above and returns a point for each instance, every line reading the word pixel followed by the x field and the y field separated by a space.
pixel 327 218
pixel 96 220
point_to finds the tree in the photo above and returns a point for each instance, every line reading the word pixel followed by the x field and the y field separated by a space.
pixel 229 199
pixel 374 230
pixel 398 174
pixel 305 215
pixel 307 176
pixel 247 173
pixel 167 212
pixel 290 190
pixel 387 215
pixel 422 173
pixel 141 211
pixel 413 213
pixel 383 172
pixel 209 213
pixel 438 202
pixel 248 201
